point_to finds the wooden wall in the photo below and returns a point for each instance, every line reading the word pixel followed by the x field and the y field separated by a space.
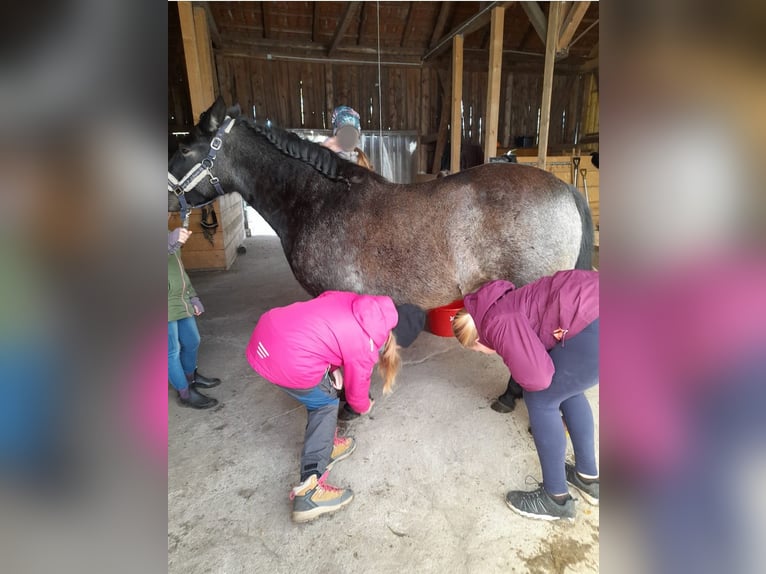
pixel 561 166
pixel 198 253
pixel 411 97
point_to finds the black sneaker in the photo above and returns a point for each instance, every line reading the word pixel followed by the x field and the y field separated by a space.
pixel 539 505
pixel 197 400
pixel 588 491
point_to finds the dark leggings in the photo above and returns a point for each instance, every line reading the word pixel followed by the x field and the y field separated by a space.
pixel 576 363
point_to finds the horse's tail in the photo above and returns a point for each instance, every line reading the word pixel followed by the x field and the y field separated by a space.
pixel 585 256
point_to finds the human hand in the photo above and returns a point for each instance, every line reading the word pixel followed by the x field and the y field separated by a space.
pixel 183 235
pixel 198 307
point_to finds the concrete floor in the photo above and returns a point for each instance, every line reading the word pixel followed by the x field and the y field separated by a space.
pixel 430 471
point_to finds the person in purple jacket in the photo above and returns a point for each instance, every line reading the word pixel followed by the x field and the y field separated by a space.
pixel 547 335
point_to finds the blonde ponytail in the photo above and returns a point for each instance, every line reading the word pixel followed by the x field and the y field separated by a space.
pixel 389 363
pixel 465 329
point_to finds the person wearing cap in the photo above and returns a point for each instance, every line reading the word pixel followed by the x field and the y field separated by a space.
pixel 346 131
pixel 546 332
pixel 312 349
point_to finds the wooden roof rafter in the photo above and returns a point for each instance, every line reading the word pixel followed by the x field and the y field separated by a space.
pixel 351 12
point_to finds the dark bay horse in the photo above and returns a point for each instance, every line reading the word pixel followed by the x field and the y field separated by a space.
pixel 343 227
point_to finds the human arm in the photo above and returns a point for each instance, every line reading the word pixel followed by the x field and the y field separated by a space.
pixel 356 375
pixel 522 351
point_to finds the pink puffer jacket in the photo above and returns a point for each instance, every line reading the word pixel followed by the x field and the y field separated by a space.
pixel 293 346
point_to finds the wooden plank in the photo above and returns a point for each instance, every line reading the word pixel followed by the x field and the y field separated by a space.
pixel 329 96
pixel 571 22
pixel 315 23
pixel 550 57
pixel 441 23
pixel 457 97
pixel 409 25
pixel 214 33
pixel 441 139
pixel 200 98
pixel 537 18
pixel 204 52
pixel 507 114
pixel 351 10
pixel 493 83
pixel 362 22
pixel 266 16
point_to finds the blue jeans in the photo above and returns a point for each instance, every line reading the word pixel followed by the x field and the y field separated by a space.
pixel 576 363
pixel 321 402
pixel 183 342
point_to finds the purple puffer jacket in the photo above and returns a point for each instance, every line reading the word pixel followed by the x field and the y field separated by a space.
pixel 519 323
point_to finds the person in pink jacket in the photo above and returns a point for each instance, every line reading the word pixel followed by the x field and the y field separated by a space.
pixel 547 335
pixel 314 348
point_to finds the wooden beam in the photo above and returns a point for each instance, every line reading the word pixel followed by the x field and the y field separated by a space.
pixel 456 132
pixel 315 23
pixel 363 14
pixel 441 23
pixel 328 95
pixel 570 24
pixel 441 138
pixel 506 135
pixel 589 65
pixel 204 51
pixel 471 25
pixel 537 18
pixel 266 16
pixel 409 26
pixel 344 24
pixel 198 57
pixel 554 17
pixel 215 35
pixel 493 83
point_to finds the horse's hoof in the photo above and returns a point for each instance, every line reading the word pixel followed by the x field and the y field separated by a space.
pixel 501 407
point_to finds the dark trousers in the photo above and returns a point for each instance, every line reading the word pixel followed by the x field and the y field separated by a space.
pixel 321 403
pixel 576 363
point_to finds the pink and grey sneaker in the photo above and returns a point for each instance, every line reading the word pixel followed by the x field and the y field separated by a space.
pixel 342 447
pixel 314 497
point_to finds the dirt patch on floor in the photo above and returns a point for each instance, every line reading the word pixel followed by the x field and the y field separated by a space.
pixel 557 554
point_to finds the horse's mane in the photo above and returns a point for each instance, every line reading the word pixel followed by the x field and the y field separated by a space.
pixel 323 159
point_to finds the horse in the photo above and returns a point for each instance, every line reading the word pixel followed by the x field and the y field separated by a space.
pixel 343 227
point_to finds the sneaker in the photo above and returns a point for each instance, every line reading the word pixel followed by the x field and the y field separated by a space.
pixel 342 447
pixel 313 497
pixel 588 491
pixel 538 504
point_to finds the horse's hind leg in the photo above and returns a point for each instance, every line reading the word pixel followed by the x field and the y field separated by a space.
pixel 506 402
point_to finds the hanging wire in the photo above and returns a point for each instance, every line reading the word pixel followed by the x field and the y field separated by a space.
pixel 380 90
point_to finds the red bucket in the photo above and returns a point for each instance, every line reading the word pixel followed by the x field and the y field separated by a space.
pixel 440 319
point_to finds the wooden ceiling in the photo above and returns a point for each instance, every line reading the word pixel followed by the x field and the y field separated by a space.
pixel 408 30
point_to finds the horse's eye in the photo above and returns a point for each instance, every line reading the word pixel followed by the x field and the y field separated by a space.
pixel 185 150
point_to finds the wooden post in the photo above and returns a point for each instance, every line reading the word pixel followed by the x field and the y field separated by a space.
pixel 550 56
pixel 198 57
pixel 198 253
pixel 456 132
pixel 204 52
pixel 493 82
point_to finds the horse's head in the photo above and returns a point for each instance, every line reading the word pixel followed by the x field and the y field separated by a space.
pixel 190 162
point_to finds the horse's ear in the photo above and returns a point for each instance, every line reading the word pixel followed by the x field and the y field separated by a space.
pixel 235 111
pixel 213 117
